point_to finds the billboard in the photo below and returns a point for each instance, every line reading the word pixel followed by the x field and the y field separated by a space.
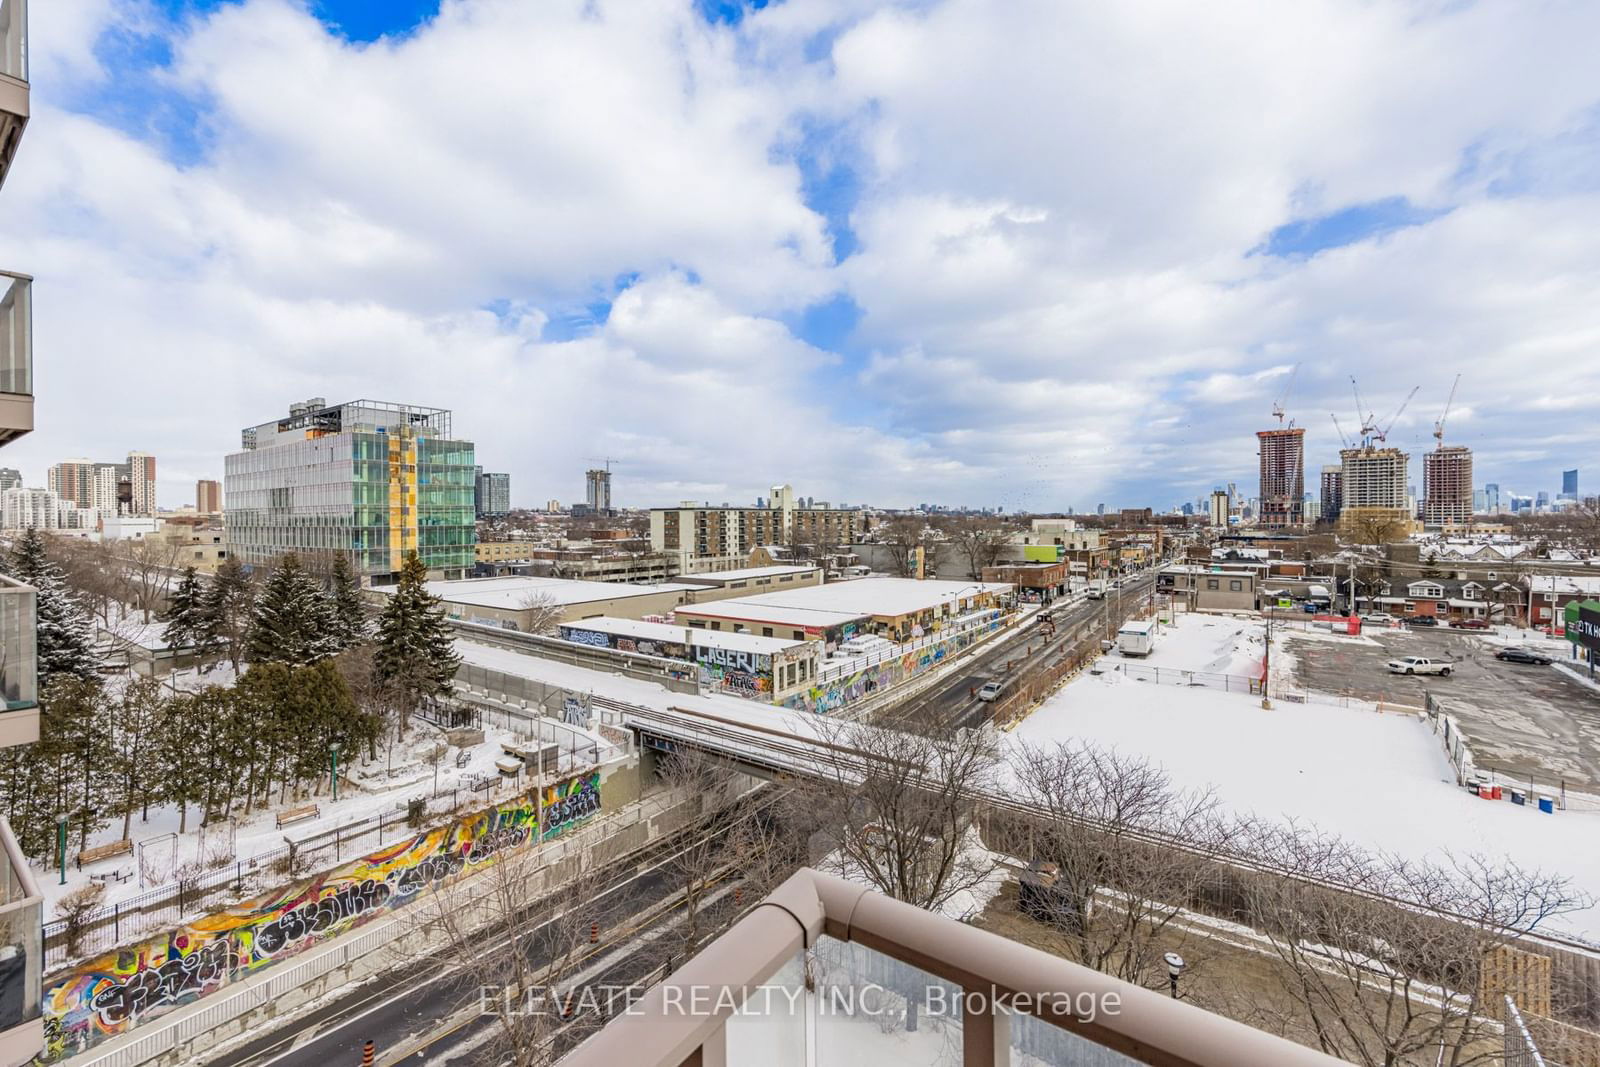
pixel 1583 624
pixel 1044 553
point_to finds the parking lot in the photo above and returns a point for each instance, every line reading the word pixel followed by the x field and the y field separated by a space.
pixel 1518 718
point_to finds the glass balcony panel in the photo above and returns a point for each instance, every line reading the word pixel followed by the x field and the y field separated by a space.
pixel 873 1010
pixel 1036 1043
pixel 21 946
pixel 16 334
pixel 19 623
pixel 14 39
pixel 770 1030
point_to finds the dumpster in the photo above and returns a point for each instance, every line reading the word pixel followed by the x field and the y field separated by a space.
pixel 1547 805
pixel 1494 791
pixel 1474 786
pixel 1518 797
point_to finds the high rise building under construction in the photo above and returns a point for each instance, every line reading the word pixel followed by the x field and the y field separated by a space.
pixel 1447 486
pixel 1283 478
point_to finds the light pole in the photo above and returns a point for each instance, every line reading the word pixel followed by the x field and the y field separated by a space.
pixel 333 769
pixel 1266 664
pixel 1174 968
pixel 61 846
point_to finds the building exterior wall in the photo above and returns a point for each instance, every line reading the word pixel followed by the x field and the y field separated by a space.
pixel 1447 476
pixel 491 494
pixel 208 497
pixel 707 539
pixel 1332 493
pixel 73 480
pixel 597 490
pixel 1283 483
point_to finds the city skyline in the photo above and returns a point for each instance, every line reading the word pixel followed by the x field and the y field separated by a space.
pixel 821 254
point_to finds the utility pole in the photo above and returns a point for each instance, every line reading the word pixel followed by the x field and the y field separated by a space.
pixel 1266 665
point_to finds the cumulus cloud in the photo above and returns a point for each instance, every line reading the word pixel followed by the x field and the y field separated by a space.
pixel 594 228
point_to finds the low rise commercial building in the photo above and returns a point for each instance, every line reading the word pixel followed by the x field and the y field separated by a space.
pixel 749 581
pixel 768 669
pixel 1039 581
pixel 1204 588
pixel 517 602
pixel 899 609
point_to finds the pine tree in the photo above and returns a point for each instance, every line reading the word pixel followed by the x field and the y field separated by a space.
pixel 350 623
pixel 75 748
pixel 293 620
pixel 133 744
pixel 416 650
pixel 227 609
pixel 185 612
pixel 65 641
pixel 179 738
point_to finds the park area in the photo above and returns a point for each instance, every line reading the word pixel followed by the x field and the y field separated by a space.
pixel 1378 779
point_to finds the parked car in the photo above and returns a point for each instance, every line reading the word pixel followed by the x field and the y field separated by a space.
pixel 1421 620
pixel 1470 624
pixel 1377 616
pixel 1524 655
pixel 1420 665
pixel 990 690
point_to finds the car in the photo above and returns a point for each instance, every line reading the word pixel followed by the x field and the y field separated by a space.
pixel 1420 665
pixel 1470 624
pixel 990 690
pixel 1524 655
pixel 1377 616
pixel 1421 620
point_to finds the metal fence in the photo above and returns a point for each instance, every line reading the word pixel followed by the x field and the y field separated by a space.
pixel 1520 1051
pixel 1230 683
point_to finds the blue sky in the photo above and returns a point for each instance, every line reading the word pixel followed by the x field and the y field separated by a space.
pixel 900 253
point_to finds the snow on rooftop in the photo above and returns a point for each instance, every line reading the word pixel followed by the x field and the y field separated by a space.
pixel 748 573
pixel 514 591
pixel 853 600
pixel 660 631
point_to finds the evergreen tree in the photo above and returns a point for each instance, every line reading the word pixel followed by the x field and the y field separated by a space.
pixel 228 604
pixel 416 650
pixel 350 623
pixel 134 729
pixel 185 614
pixel 178 744
pixel 65 641
pixel 293 620
pixel 76 751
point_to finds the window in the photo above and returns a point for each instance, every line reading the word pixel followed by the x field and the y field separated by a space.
pixel 1235 585
pixel 798 636
pixel 1213 583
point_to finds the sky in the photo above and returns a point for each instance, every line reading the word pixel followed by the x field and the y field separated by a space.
pixel 1033 255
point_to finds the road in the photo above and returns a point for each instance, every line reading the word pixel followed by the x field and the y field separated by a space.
pixel 953 701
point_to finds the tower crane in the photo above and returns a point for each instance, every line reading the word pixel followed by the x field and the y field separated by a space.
pixel 1383 434
pixel 1283 398
pixel 1343 437
pixel 1438 426
pixel 1363 416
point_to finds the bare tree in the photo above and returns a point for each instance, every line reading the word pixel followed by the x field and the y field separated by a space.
pixel 902 536
pixel 150 563
pixel 979 540
pixel 897 808
pixel 1113 894
pixel 1373 528
pixel 542 611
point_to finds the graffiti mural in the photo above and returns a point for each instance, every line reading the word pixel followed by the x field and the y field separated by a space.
pixel 745 674
pixel 107 995
pixel 845 690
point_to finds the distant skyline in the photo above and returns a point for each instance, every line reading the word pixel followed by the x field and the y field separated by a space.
pixel 1036 255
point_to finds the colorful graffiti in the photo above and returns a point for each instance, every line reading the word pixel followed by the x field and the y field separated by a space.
pixel 839 692
pixel 109 994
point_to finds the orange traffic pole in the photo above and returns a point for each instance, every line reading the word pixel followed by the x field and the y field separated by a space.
pixel 594 933
pixel 368 1054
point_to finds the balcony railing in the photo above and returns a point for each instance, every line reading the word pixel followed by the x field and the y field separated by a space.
pixel 21 956
pixel 16 355
pixel 19 679
pixel 13 79
pixel 825 971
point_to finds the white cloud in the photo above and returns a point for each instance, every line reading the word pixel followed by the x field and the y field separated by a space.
pixel 1058 207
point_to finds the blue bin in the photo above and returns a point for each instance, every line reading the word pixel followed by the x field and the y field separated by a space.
pixel 1547 805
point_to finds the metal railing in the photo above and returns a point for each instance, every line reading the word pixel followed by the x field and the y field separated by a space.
pixel 709 1011
pixel 1520 1051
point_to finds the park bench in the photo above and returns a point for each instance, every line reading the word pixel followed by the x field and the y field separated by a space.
pixel 123 847
pixel 300 814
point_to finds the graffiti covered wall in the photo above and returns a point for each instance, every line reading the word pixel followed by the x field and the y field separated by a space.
pixel 745 674
pixel 839 692
pixel 108 995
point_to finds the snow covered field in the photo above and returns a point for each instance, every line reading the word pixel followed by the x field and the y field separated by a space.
pixel 1380 780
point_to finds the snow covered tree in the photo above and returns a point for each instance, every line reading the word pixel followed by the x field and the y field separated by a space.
pixel 185 615
pixel 351 626
pixel 416 650
pixel 75 748
pixel 228 605
pixel 65 642
pixel 293 620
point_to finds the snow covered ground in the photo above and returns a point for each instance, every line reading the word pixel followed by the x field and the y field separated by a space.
pixel 1222 644
pixel 1380 780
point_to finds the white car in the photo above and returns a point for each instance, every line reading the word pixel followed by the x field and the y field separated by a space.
pixel 990 690
pixel 1378 616
pixel 1419 665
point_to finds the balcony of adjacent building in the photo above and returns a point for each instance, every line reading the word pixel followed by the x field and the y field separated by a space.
pixel 826 972
pixel 19 620
pixel 13 79
pixel 21 956
pixel 16 355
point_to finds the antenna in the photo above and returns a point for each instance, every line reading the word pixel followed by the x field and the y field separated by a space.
pixel 1438 426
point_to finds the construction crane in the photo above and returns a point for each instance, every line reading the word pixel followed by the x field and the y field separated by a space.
pixel 1343 437
pixel 1383 434
pixel 1438 426
pixel 607 460
pixel 1283 398
pixel 1363 416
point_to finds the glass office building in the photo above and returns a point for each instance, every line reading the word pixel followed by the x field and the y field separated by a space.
pixel 367 479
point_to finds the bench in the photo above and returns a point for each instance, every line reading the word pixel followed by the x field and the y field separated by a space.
pixel 105 852
pixel 300 814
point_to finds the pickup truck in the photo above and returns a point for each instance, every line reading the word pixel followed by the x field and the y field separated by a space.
pixel 1420 665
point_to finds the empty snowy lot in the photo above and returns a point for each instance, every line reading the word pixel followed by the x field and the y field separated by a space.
pixel 1380 780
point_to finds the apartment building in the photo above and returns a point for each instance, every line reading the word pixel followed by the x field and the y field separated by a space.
pixel 706 538
pixel 1283 482
pixel 1332 493
pixel 208 497
pixel 127 488
pixel 1375 500
pixel 1447 486
pixel 21 903
pixel 491 494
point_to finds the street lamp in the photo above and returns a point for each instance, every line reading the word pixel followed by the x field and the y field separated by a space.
pixel 333 769
pixel 61 846
pixel 1174 968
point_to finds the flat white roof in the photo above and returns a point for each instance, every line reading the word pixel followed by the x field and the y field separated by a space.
pixel 1137 626
pixel 849 600
pixel 748 573
pixel 513 591
pixel 660 631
